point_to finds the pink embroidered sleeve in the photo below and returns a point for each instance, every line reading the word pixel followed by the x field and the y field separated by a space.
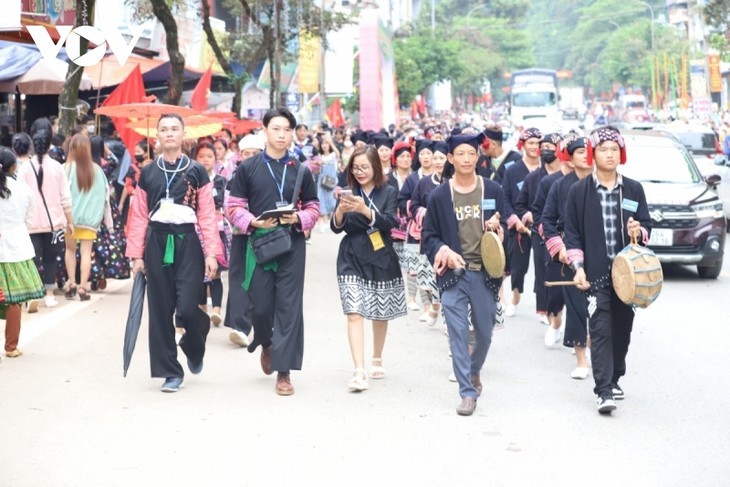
pixel 574 255
pixel 207 222
pixel 139 220
pixel 554 245
pixel 308 215
pixel 236 210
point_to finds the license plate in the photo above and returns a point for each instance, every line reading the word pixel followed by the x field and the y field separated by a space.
pixel 662 237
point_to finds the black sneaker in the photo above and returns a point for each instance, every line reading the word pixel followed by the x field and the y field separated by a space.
pixel 618 393
pixel 605 404
pixel 195 368
pixel 172 384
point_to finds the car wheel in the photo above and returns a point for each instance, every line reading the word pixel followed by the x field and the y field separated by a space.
pixel 710 272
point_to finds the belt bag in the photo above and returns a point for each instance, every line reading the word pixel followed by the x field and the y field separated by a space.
pixel 328 183
pixel 272 245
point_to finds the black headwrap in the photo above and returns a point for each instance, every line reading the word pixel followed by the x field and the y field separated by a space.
pixel 441 147
pixel 359 136
pixel 380 139
pixel 494 134
pixel 474 140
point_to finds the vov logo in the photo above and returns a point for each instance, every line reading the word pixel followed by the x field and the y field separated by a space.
pixel 72 38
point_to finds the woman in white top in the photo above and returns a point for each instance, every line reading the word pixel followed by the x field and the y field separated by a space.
pixel 19 278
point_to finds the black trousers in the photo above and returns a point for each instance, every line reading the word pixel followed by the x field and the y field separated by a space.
pixel 238 304
pixel 610 322
pixel 277 301
pixel 518 248
pixel 175 290
pixel 539 256
pixel 46 256
pixel 576 316
pixel 554 271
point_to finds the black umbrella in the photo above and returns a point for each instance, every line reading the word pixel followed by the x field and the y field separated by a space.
pixel 134 319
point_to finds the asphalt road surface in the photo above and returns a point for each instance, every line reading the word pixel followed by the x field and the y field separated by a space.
pixel 69 418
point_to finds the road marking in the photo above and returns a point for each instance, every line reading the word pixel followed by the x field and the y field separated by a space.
pixel 36 324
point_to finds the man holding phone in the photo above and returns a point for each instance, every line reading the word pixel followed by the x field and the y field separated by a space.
pixel 267 182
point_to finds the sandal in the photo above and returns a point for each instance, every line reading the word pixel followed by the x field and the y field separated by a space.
pixel 70 292
pixel 377 371
pixel 359 381
pixel 83 294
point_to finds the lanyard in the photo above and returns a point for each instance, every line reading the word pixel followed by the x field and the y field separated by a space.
pixel 280 187
pixel 168 183
pixel 169 180
pixel 369 199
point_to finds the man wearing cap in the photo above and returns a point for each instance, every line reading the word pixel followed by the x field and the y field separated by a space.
pixel 518 237
pixel 459 212
pixel 497 159
pixel 601 215
pixel 525 209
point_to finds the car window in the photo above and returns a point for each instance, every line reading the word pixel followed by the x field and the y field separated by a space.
pixel 660 164
pixel 698 142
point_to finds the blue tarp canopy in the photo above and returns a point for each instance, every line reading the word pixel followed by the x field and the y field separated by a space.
pixel 16 60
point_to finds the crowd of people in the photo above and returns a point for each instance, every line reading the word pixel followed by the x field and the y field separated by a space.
pixel 413 205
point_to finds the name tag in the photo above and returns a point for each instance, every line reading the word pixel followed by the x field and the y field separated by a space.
pixel 376 239
pixel 629 205
pixel 489 205
pixel 520 184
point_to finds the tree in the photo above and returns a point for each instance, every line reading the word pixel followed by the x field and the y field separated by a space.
pixel 717 14
pixel 272 26
pixel 70 94
pixel 163 12
pixel 235 80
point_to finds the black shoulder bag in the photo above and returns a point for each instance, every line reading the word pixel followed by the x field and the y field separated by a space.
pixel 58 237
pixel 277 242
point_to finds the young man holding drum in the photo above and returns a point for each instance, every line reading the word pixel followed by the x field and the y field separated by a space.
pixel 602 214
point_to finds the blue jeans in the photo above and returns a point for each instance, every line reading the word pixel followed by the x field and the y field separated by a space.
pixel 470 291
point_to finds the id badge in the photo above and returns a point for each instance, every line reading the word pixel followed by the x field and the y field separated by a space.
pixel 166 205
pixel 376 239
pixel 281 204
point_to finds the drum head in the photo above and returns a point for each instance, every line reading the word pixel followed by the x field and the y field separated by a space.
pixel 493 254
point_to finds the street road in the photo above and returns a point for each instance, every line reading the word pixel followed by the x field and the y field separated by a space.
pixel 69 418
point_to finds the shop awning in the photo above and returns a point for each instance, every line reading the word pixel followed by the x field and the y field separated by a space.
pixel 16 60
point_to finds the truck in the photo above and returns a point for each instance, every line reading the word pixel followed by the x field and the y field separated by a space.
pixel 571 102
pixel 534 95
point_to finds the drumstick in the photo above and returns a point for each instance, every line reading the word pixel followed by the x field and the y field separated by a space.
pixel 560 283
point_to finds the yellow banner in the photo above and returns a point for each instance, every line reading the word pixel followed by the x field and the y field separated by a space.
pixel 713 63
pixel 309 52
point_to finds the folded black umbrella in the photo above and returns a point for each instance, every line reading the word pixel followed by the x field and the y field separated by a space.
pixel 134 319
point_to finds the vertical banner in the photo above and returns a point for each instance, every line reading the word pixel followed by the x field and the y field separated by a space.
pixel 387 70
pixel 371 99
pixel 339 61
pixel 713 65
pixel 698 78
pixel 309 47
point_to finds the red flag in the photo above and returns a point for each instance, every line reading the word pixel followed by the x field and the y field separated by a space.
pixel 199 98
pixel 131 90
pixel 334 113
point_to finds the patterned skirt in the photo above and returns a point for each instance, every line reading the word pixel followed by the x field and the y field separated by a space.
pixel 374 300
pixel 426 277
pixel 20 282
pixel 412 256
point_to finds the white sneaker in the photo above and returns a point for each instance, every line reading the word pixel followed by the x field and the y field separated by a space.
pixel 424 317
pixel 552 337
pixel 413 306
pixel 580 373
pixel 511 310
pixel 431 321
pixel 51 302
pixel 543 319
pixel 239 338
pixel 452 377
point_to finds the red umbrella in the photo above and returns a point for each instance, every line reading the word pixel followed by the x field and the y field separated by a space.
pixel 242 126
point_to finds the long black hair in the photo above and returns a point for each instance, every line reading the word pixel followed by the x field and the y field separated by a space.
pixel 21 143
pixel 97 148
pixel 7 161
pixel 41 144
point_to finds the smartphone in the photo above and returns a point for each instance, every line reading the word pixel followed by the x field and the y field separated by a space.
pixel 346 192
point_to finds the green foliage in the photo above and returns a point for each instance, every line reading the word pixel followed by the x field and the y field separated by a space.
pixel 717 14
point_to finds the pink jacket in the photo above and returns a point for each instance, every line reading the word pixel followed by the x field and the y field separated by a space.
pixel 55 190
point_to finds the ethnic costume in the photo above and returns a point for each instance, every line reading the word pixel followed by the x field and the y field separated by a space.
pixel 596 220
pixel 369 278
pixel 276 289
pixel 426 278
pixel 457 221
pixel 170 200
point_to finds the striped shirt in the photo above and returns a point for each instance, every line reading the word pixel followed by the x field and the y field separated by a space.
pixel 610 212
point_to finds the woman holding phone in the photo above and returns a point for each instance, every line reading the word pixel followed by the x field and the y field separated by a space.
pixel 368 272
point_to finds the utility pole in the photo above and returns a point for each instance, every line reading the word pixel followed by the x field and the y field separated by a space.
pixel 322 94
pixel 276 82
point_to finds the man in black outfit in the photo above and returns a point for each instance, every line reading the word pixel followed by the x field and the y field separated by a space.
pixel 602 212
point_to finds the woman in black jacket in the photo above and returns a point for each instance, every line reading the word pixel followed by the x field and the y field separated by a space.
pixel 368 272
